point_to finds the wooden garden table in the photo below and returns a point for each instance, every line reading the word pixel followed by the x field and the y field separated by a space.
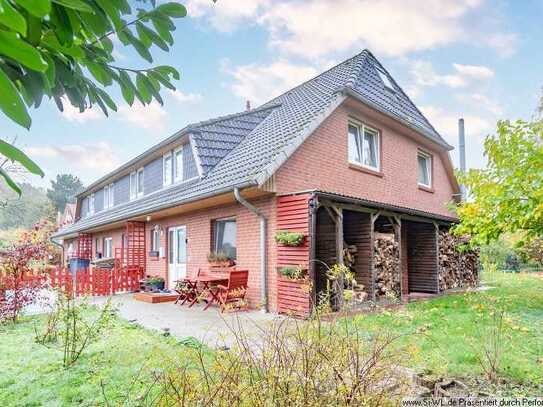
pixel 207 281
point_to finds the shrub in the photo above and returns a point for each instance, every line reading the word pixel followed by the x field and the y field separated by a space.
pixel 292 363
pixel 289 238
pixel 71 327
pixel 20 277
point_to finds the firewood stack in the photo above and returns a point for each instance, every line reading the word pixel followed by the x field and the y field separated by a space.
pixel 456 268
pixel 386 263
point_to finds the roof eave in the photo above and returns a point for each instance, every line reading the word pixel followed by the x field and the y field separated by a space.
pixel 266 172
pixel 61 234
pixel 357 95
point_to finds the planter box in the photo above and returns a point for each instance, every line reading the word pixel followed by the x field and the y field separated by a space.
pixel 293 297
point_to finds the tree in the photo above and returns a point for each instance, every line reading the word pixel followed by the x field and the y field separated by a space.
pixel 62 49
pixel 24 211
pixel 506 196
pixel 64 190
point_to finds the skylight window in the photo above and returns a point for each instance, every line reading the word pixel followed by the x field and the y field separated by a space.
pixel 386 80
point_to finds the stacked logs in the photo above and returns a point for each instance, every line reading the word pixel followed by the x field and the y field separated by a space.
pixel 386 264
pixel 457 268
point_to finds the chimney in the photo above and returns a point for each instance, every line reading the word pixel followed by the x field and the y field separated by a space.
pixel 248 105
pixel 462 153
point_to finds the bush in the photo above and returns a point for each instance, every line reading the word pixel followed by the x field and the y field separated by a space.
pixel 293 363
pixel 71 327
pixel 289 238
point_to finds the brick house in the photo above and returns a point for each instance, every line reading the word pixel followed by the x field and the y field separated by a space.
pixel 339 158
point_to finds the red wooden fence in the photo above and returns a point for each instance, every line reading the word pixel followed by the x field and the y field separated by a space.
pixel 97 281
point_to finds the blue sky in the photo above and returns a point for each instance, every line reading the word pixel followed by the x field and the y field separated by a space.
pixel 473 58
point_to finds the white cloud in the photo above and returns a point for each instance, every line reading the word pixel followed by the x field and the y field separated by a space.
pixel 315 28
pixel 225 15
pixel 504 44
pixel 424 74
pixel 150 117
pixel 446 123
pixel 474 71
pixel 479 100
pixel 186 97
pixel 99 157
pixel 72 113
pixel 259 83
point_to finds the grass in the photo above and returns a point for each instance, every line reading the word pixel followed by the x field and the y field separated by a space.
pixel 33 375
pixel 443 336
pixel 446 333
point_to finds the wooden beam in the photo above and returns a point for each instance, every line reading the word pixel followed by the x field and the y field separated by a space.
pixel 438 271
pixel 373 218
pixel 339 253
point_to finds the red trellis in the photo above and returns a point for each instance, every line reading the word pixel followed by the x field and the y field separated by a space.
pixel 135 244
pixel 84 246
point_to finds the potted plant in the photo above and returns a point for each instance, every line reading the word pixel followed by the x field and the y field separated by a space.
pixel 220 259
pixel 286 238
pixel 293 291
pixel 155 283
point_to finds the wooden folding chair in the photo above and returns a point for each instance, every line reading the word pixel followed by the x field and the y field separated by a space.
pixel 234 293
pixel 187 290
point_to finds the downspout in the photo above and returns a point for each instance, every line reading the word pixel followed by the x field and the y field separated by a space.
pixel 263 251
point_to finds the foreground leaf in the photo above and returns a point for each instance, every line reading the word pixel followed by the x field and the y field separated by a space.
pixel 11 103
pixel 14 154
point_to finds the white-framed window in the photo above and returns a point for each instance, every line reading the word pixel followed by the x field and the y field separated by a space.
pixel 178 164
pixel 107 248
pixel 133 185
pixel 140 182
pixel 136 183
pixel 108 196
pixel 386 80
pixel 364 146
pixel 91 204
pixel 425 169
pixel 167 169
pixel 111 195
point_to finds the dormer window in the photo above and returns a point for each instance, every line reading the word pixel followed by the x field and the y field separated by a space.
pixel 364 146
pixel 91 204
pixel 385 79
pixel 425 169
pixel 178 169
pixel 167 169
pixel 108 196
pixel 136 184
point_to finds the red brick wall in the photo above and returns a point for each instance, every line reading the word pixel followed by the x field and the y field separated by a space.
pixel 199 244
pixel 115 234
pixel 322 163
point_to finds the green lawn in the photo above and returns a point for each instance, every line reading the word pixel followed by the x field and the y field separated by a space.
pixel 446 333
pixel 32 375
pixel 442 335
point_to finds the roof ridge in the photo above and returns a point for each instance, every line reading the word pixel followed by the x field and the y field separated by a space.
pixel 356 69
pixel 364 51
pixel 193 126
pixel 408 98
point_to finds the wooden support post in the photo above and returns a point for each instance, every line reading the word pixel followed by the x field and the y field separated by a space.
pixel 397 222
pixel 339 251
pixel 438 271
pixel 373 218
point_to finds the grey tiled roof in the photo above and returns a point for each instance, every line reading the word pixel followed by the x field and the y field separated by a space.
pixel 236 150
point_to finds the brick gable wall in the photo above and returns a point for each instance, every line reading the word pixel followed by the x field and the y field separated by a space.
pixel 322 163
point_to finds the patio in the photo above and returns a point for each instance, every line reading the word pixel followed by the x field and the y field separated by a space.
pixel 210 327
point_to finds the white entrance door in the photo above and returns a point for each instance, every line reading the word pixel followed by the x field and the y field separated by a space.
pixel 177 254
